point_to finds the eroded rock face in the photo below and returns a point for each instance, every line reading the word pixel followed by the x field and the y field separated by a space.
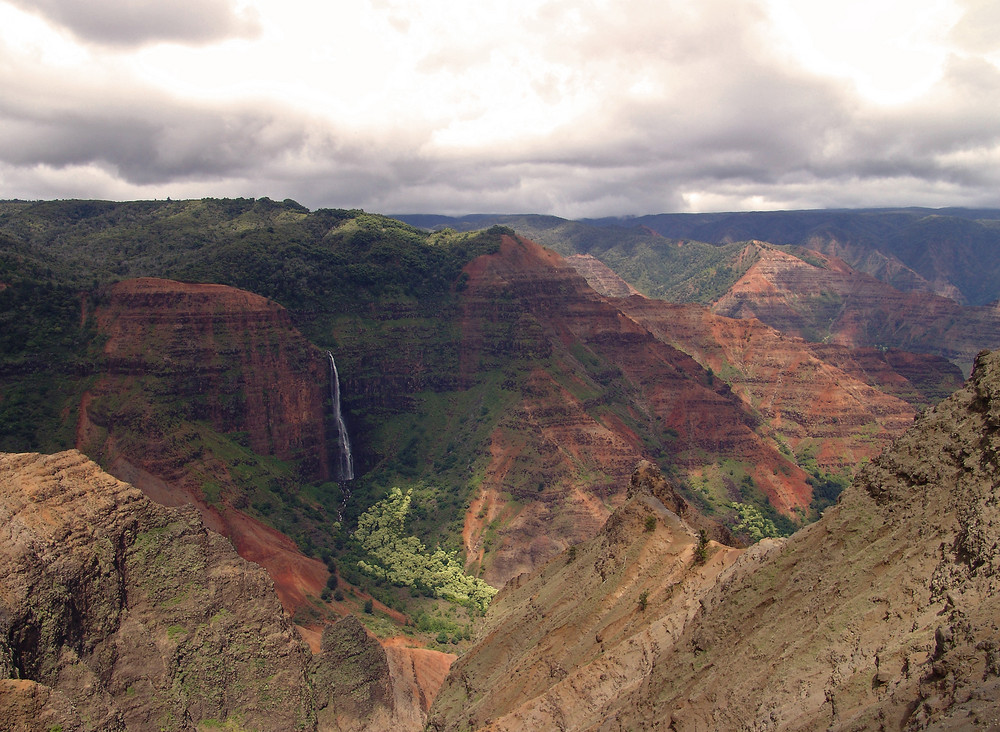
pixel 560 645
pixel 133 614
pixel 600 276
pixel 179 355
pixel 232 357
pixel 118 613
pixel 880 615
pixel 528 300
pixel 846 404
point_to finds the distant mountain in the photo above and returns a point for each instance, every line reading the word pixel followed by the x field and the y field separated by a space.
pixel 821 299
pixel 479 369
pixel 952 252
pixel 942 269
pixel 506 390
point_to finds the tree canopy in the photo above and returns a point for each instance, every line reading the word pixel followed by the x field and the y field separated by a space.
pixel 405 561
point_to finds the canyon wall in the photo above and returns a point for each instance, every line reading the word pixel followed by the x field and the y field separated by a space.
pixel 880 615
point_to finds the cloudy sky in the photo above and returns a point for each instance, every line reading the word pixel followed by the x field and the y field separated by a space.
pixel 570 107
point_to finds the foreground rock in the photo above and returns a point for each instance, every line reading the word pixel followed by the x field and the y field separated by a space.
pixel 117 613
pixel 881 615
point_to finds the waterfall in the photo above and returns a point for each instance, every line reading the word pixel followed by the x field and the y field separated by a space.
pixel 345 461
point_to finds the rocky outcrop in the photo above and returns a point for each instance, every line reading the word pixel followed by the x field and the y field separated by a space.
pixel 352 680
pixel 231 357
pixel 600 276
pixel 129 615
pixel 839 404
pixel 882 615
pixel 562 644
pixel 117 613
pixel 183 360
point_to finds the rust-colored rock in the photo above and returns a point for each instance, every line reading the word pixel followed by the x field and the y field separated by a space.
pixel 233 356
pixel 525 300
pixel 179 354
pixel 881 615
pixel 842 404
pixel 133 612
pixel 827 301
pixel 118 613
pixel 600 276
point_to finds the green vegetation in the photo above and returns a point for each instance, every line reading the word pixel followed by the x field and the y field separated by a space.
pixel 680 271
pixel 701 551
pixel 48 355
pixel 753 524
pixel 423 405
pixel 405 561
pixel 724 486
pixel 826 486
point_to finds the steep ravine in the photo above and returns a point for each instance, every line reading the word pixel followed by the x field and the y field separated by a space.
pixel 882 615
pixel 184 358
pixel 601 393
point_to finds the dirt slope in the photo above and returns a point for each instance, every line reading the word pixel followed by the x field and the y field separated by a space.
pixel 844 404
pixel 600 392
pixel 881 615
pixel 824 300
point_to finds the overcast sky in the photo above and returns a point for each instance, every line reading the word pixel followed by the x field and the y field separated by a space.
pixel 568 107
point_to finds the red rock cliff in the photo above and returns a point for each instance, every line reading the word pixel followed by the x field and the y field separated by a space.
pixel 180 356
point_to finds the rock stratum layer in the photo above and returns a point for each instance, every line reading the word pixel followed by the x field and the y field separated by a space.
pixel 601 392
pixel 617 380
pixel 117 613
pixel 825 300
pixel 183 359
pixel 882 615
pixel 842 405
pixel 233 357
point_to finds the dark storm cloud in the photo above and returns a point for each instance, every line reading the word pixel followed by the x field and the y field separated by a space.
pixel 138 22
pixel 147 143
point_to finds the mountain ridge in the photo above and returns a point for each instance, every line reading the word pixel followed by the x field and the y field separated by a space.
pixel 893 595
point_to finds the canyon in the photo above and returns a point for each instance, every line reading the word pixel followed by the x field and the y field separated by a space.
pixel 892 596
pixel 122 614
pixel 513 390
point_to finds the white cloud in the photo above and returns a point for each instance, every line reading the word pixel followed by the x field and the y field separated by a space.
pixel 574 108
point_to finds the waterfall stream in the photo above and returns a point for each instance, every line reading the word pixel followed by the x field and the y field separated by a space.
pixel 344 469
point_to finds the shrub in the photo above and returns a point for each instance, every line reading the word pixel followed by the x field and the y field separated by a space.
pixel 701 553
